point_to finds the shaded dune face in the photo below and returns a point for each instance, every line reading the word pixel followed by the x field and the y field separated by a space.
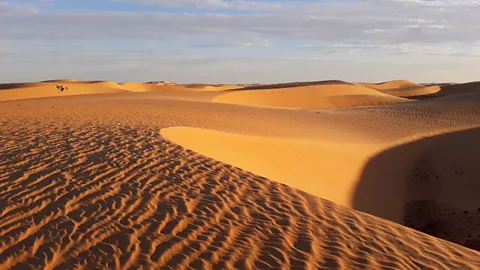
pixel 427 91
pixel 120 197
pixel 440 194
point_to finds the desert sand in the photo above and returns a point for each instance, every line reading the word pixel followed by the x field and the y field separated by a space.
pixel 334 94
pixel 316 175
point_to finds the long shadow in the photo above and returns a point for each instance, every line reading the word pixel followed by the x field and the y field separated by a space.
pixel 451 90
pixel 431 185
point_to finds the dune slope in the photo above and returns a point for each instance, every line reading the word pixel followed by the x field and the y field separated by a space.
pixel 297 163
pixel 119 197
pixel 353 173
pixel 56 88
pixel 327 95
pixel 403 88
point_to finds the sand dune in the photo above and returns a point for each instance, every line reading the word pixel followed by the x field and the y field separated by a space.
pixel 293 85
pixel 396 84
pixel 440 177
pixel 283 160
pixel 111 181
pixel 409 89
pixel 153 87
pixel 121 197
pixel 458 89
pixel 320 95
pixel 212 87
pixel 56 88
pixel 403 88
pixel 337 170
pixel 143 87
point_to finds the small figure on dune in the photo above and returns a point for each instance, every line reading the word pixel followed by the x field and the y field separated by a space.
pixel 61 87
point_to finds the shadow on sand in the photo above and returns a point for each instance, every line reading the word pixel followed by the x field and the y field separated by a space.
pixel 451 90
pixel 431 185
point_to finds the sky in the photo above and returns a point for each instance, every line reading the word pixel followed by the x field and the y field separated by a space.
pixel 240 41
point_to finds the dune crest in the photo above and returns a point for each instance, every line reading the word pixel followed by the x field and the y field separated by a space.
pixel 57 88
pixel 403 88
pixel 283 160
pixel 395 84
pixel 212 87
pixel 325 95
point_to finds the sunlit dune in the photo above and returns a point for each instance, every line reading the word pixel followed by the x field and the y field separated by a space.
pixel 397 84
pixel 302 175
pixel 143 87
pixel 320 95
pixel 297 163
pixel 165 86
pixel 413 90
pixel 403 88
pixel 212 87
pixel 57 88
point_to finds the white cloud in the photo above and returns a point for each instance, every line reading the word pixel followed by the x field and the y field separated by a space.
pixel 436 30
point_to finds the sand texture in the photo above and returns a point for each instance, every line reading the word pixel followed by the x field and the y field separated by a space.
pixel 316 175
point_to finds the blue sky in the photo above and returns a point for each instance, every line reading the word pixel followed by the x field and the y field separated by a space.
pixel 233 41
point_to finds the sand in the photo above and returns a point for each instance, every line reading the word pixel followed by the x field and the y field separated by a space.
pixel 54 88
pixel 66 87
pixel 403 88
pixel 334 94
pixel 175 179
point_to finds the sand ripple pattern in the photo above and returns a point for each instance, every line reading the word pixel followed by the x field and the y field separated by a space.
pixel 101 197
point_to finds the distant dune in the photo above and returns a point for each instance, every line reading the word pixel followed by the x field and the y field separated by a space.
pixel 329 94
pixel 159 175
pixel 397 84
pixel 458 89
pixel 413 90
pixel 403 88
pixel 143 87
pixel 56 88
pixel 212 87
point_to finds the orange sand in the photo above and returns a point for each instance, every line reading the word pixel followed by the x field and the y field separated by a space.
pixel 111 181
pixel 329 95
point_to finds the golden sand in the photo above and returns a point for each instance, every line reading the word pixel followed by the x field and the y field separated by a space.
pixel 160 175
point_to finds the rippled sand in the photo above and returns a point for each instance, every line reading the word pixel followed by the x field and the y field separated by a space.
pixel 91 182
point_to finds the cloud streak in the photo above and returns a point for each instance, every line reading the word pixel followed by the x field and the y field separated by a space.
pixel 331 30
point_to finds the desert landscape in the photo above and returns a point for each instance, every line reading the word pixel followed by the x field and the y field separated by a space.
pixel 301 175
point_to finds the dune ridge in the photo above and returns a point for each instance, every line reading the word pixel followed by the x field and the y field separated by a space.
pixel 418 91
pixel 19 91
pixel 403 88
pixel 56 88
pixel 320 95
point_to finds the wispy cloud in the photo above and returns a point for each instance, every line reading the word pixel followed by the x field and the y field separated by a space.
pixel 333 30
